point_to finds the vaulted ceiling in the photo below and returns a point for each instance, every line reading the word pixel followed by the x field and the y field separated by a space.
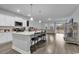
pixel 41 12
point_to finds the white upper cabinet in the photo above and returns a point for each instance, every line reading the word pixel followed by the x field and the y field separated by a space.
pixel 6 20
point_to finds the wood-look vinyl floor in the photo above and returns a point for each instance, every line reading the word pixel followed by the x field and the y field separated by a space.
pixel 54 45
pixel 6 49
pixel 57 45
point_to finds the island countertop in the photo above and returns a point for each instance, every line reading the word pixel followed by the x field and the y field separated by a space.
pixel 26 32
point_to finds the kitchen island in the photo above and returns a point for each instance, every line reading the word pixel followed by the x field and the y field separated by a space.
pixel 22 41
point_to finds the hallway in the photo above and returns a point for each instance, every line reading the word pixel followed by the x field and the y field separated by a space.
pixel 58 46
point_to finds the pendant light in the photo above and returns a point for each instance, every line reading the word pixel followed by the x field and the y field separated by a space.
pixel 40 21
pixel 31 13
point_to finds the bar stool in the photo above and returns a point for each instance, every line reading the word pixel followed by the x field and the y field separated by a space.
pixel 33 44
pixel 39 37
pixel 39 41
pixel 44 36
pixel 32 41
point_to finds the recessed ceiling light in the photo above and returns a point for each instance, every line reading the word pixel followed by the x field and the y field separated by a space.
pixel 18 10
pixel 31 18
pixel 40 21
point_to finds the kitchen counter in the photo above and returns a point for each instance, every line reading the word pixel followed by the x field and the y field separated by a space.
pixel 21 41
pixel 26 32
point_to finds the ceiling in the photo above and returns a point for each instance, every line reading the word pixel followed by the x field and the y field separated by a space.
pixel 42 11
